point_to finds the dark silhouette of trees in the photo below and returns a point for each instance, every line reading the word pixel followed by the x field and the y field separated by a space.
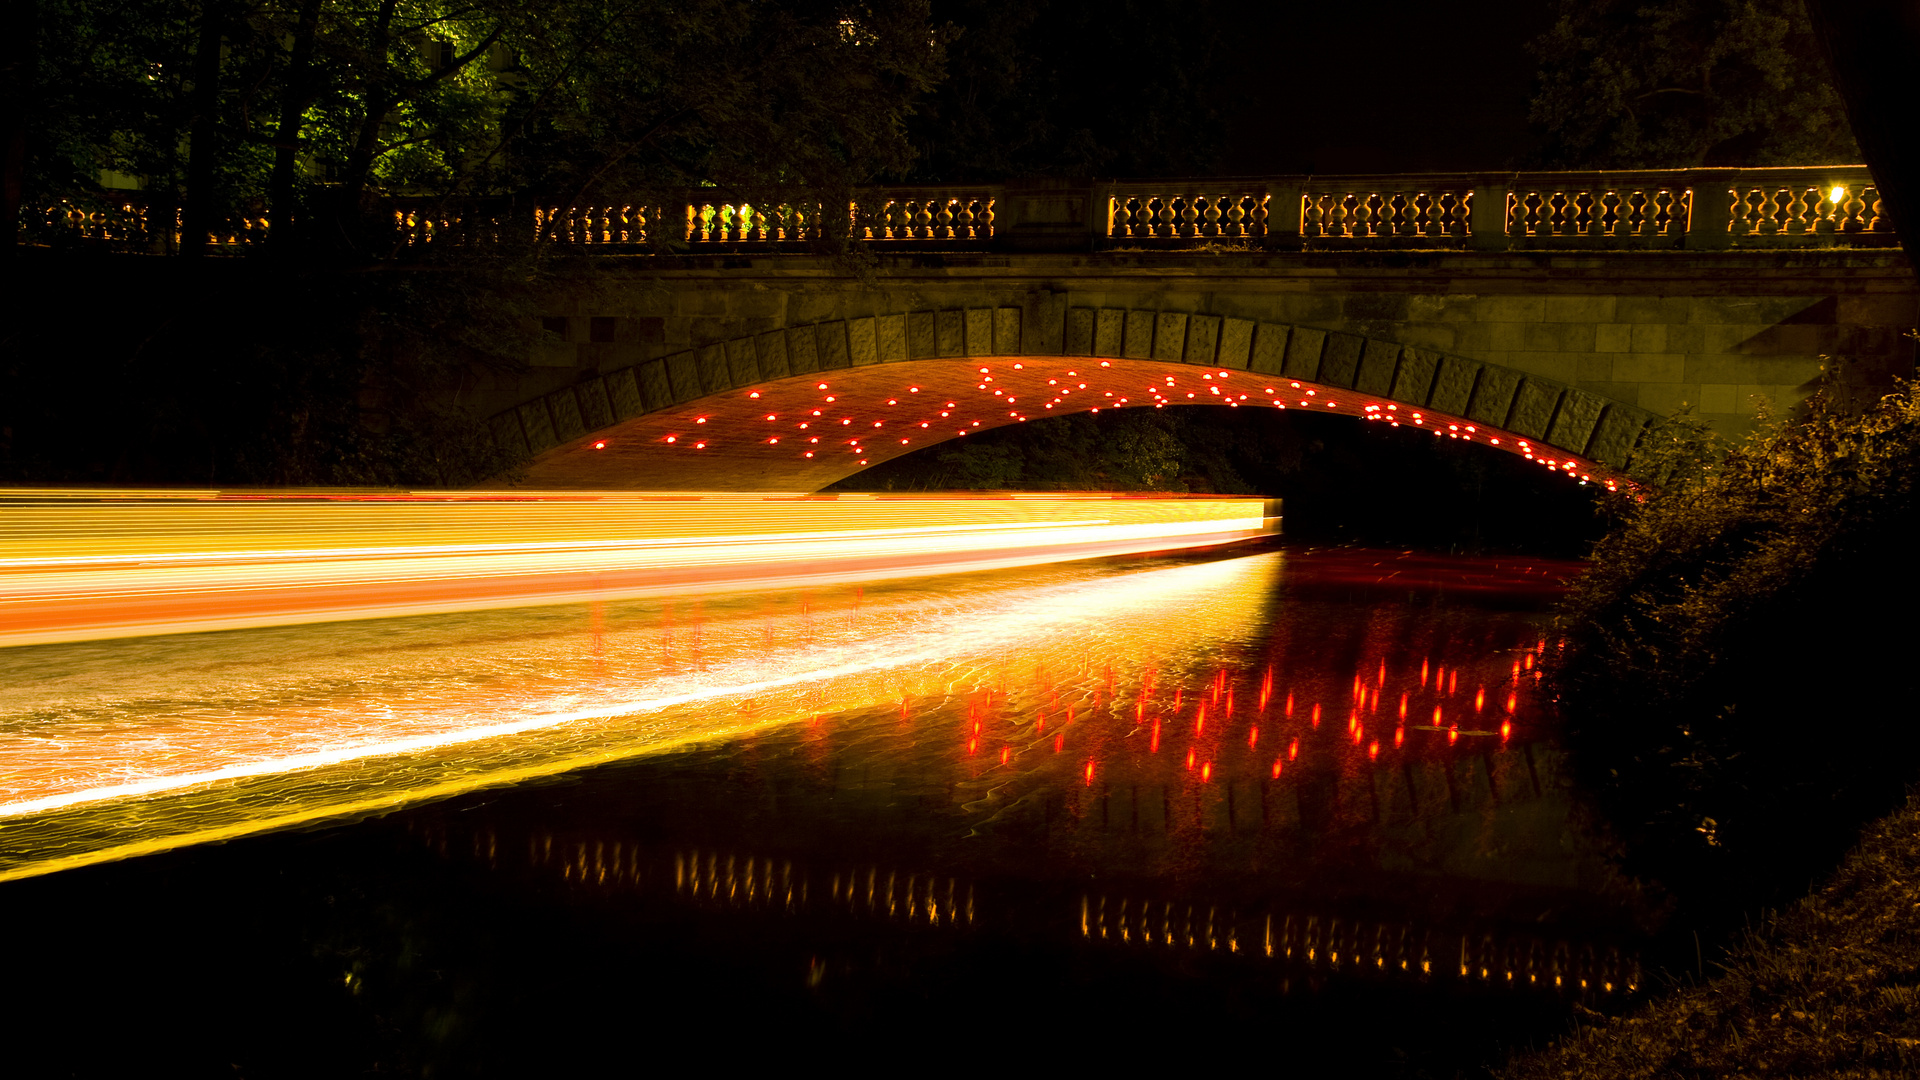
pixel 1638 84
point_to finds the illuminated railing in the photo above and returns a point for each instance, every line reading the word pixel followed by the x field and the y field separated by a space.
pixel 1696 209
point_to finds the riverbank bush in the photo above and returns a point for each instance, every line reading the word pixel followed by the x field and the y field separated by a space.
pixel 1736 667
pixel 1830 987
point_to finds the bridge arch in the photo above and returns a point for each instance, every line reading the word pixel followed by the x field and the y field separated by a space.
pixel 798 408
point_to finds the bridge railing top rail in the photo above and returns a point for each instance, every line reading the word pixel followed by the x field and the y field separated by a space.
pixel 1706 209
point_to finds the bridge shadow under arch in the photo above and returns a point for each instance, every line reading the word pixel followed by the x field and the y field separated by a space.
pixel 801 408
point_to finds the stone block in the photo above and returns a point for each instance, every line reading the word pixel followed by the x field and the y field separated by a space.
pixel 538 426
pixel 979 331
pixel 1302 307
pixel 656 390
pixel 1493 395
pixel 743 367
pixel 950 333
pixel 1548 365
pixel 1079 331
pixel 1108 330
pixel 1533 407
pixel 1573 423
pixel 683 375
pixel 507 434
pixel 1762 311
pixel 1650 369
pixel 552 354
pixel 1203 340
pixel 1138 344
pixel 1043 324
pixel 1612 337
pixel 1579 309
pixel 1877 309
pixel 1651 309
pixel 623 394
pixel 1686 338
pixel 831 340
pixel 1718 398
pixel 1269 349
pixel 921 342
pixel 1436 337
pixel 1378 358
pixel 1558 337
pixel 770 355
pixel 863 343
pixel 1453 385
pixel 803 351
pixel 596 411
pixel 711 361
pixel 1649 338
pixel 1413 381
pixel 1236 343
pixel 1340 361
pixel 1170 336
pixel 1663 399
pixel 1304 348
pixel 1595 368
pixel 890 338
pixel 1507 337
pixel 1513 309
pixel 1613 439
pixel 1375 307
pixel 757 304
pixel 1006 331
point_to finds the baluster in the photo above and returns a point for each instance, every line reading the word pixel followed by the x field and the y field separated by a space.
pixel 1767 212
pixel 1340 215
pixel 1796 210
pixel 1742 219
pixel 1311 215
pixel 1879 222
pixel 1362 220
pixel 1210 218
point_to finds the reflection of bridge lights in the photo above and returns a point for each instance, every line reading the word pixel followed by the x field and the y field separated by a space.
pixel 601 445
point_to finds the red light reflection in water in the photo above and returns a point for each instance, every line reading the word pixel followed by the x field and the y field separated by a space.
pixel 1118 688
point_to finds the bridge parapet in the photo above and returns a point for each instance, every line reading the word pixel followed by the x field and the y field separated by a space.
pixel 1693 209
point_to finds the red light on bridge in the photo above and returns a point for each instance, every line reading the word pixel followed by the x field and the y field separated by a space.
pixel 673 438
pixel 600 446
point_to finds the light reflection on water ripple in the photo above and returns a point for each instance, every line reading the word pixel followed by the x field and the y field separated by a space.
pixel 115 748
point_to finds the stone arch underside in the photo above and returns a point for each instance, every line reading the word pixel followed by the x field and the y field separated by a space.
pixel 751 413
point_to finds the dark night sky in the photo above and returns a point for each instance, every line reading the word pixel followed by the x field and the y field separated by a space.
pixel 1380 86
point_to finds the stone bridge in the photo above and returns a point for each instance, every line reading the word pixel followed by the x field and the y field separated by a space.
pixel 1558 324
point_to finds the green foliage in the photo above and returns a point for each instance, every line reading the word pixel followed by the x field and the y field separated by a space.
pixel 318 103
pixel 1735 667
pixel 1640 84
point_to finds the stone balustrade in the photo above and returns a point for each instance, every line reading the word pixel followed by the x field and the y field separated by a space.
pixel 1693 209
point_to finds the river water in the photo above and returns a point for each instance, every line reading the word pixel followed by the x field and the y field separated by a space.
pixel 1304 804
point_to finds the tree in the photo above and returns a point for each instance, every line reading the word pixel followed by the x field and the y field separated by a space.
pixel 307 109
pixel 1073 88
pixel 1678 83
pixel 1734 668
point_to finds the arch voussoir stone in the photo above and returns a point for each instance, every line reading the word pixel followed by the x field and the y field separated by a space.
pixel 1527 406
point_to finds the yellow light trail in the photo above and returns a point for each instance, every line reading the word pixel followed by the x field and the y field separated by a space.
pixel 135 748
pixel 117 564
